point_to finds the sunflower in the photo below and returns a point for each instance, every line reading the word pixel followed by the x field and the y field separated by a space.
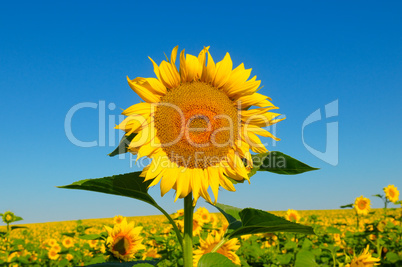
pixel 292 215
pixel 391 193
pixel 228 249
pixel 117 219
pixel 364 260
pixel 197 224
pixel 124 240
pixel 52 242
pixel 151 253
pixel 53 254
pixel 362 205
pixel 69 257
pixel 204 215
pixel 68 242
pixel 8 217
pixel 197 125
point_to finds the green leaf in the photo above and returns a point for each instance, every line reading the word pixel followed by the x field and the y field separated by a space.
pixel 333 230
pixel 17 218
pixel 253 221
pixel 378 195
pixel 91 237
pixel 68 234
pixel 278 162
pixel 347 206
pixel 18 227
pixel 126 185
pixel 305 258
pixel 392 257
pixel 126 264
pixel 215 260
pixel 231 214
pixel 123 145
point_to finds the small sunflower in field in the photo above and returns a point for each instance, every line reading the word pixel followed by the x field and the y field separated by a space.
pixel 124 240
pixel 228 249
pixel 68 242
pixel 56 248
pixel 292 215
pixel 53 254
pixel 93 243
pixel 8 217
pixel 203 215
pixel 118 219
pixel 197 225
pixel 197 124
pixel 391 193
pixel 69 257
pixel 151 253
pixel 362 205
pixel 364 260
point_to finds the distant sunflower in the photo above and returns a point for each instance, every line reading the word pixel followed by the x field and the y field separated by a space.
pixel 124 240
pixel 53 254
pixel 292 215
pixel 197 224
pixel 362 205
pixel 197 125
pixel 117 219
pixel 204 215
pixel 151 253
pixel 228 249
pixel 391 193
pixel 8 217
pixel 364 260
pixel 68 242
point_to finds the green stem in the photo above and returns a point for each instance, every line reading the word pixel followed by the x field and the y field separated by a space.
pixel 188 231
pixel 215 249
pixel 173 223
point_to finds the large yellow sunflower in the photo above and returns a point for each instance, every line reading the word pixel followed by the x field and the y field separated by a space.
pixel 362 205
pixel 391 193
pixel 228 249
pixel 124 240
pixel 197 125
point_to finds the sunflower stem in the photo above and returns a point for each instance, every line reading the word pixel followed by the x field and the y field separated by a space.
pixel 173 223
pixel 188 231
pixel 215 249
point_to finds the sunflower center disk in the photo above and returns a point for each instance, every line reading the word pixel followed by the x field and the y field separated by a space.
pixel 196 125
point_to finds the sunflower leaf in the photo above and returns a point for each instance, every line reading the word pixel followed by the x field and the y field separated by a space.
pixel 347 206
pixel 126 185
pixel 231 214
pixel 126 264
pixel 252 221
pixel 305 258
pixel 215 260
pixel 123 145
pixel 130 185
pixel 257 221
pixel 279 163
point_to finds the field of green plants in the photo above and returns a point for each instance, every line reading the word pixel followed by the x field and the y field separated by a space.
pixel 337 241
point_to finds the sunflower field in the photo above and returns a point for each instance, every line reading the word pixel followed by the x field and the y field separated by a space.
pixel 338 241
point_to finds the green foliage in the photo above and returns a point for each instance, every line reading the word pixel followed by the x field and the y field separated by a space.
pixel 279 163
pixel 127 185
pixel 305 258
pixel 123 145
pixel 126 264
pixel 253 221
pixel 215 260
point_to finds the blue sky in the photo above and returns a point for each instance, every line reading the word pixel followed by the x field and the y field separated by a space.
pixel 56 55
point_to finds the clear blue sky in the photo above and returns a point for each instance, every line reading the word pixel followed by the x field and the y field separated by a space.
pixel 307 54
